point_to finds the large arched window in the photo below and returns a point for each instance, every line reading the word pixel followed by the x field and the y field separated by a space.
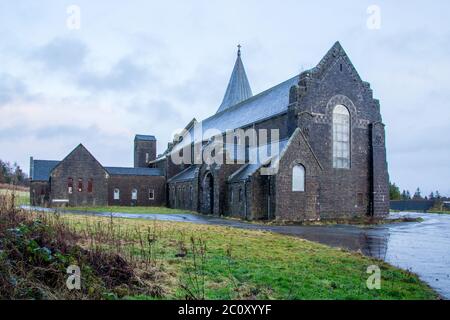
pixel 341 137
pixel 298 178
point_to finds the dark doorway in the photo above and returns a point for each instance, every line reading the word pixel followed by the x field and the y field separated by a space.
pixel 208 194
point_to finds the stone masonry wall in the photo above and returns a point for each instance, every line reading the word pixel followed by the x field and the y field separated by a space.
pixel 143 185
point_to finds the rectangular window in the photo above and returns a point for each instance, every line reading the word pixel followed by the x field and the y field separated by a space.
pixel 147 158
pixel 151 194
pixel 80 185
pixel 69 185
pixel 90 185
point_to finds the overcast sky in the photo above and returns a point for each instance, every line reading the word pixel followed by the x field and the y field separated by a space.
pixel 149 67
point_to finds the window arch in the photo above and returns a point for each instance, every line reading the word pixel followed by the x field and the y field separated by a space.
pixel 80 185
pixel 70 185
pixel 134 194
pixel 341 137
pixel 298 178
pixel 116 194
pixel 90 185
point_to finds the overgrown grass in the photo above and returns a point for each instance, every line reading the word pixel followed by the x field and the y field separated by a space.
pixel 21 197
pixel 212 262
pixel 138 210
pixel 36 250
pixel 243 264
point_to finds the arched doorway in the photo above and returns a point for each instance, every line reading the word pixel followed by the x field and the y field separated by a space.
pixel 208 194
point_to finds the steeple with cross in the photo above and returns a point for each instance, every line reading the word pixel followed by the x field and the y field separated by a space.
pixel 238 88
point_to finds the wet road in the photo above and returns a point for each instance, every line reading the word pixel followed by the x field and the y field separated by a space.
pixel 422 248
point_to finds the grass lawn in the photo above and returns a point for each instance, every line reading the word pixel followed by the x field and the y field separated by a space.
pixel 140 210
pixel 22 197
pixel 226 263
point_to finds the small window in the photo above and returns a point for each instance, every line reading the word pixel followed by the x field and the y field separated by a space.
pixel 70 185
pixel 298 178
pixel 151 194
pixel 134 193
pixel 147 158
pixel 90 185
pixel 80 185
pixel 116 194
pixel 191 193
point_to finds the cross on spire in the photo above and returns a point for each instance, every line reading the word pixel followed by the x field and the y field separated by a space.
pixel 239 49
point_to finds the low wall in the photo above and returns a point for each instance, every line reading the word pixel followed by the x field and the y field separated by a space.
pixel 412 205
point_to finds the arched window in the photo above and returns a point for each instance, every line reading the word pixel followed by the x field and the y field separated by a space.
pixel 70 185
pixel 80 185
pixel 134 194
pixel 116 194
pixel 298 178
pixel 90 185
pixel 341 137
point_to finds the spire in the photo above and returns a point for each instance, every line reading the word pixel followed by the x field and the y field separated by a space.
pixel 238 88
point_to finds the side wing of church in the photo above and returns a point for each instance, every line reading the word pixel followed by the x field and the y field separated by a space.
pixel 326 159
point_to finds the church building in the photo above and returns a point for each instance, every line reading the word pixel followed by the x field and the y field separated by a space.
pixel 320 154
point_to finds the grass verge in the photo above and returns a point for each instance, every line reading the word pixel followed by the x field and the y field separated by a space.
pixel 137 210
pixel 184 261
pixel 21 197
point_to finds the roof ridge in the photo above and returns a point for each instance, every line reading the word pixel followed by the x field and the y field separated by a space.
pixel 237 105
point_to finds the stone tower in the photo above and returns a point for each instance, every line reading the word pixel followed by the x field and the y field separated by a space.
pixel 144 150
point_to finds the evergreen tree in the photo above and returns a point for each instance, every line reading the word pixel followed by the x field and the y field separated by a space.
pixel 394 192
pixel 404 195
pixel 417 195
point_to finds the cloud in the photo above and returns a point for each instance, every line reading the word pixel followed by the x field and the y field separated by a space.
pixel 124 75
pixel 62 54
pixel 11 88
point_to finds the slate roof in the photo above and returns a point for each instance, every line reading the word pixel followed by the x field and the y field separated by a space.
pixel 247 170
pixel 41 169
pixel 142 137
pixel 264 105
pixel 185 175
pixel 238 88
pixel 119 171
